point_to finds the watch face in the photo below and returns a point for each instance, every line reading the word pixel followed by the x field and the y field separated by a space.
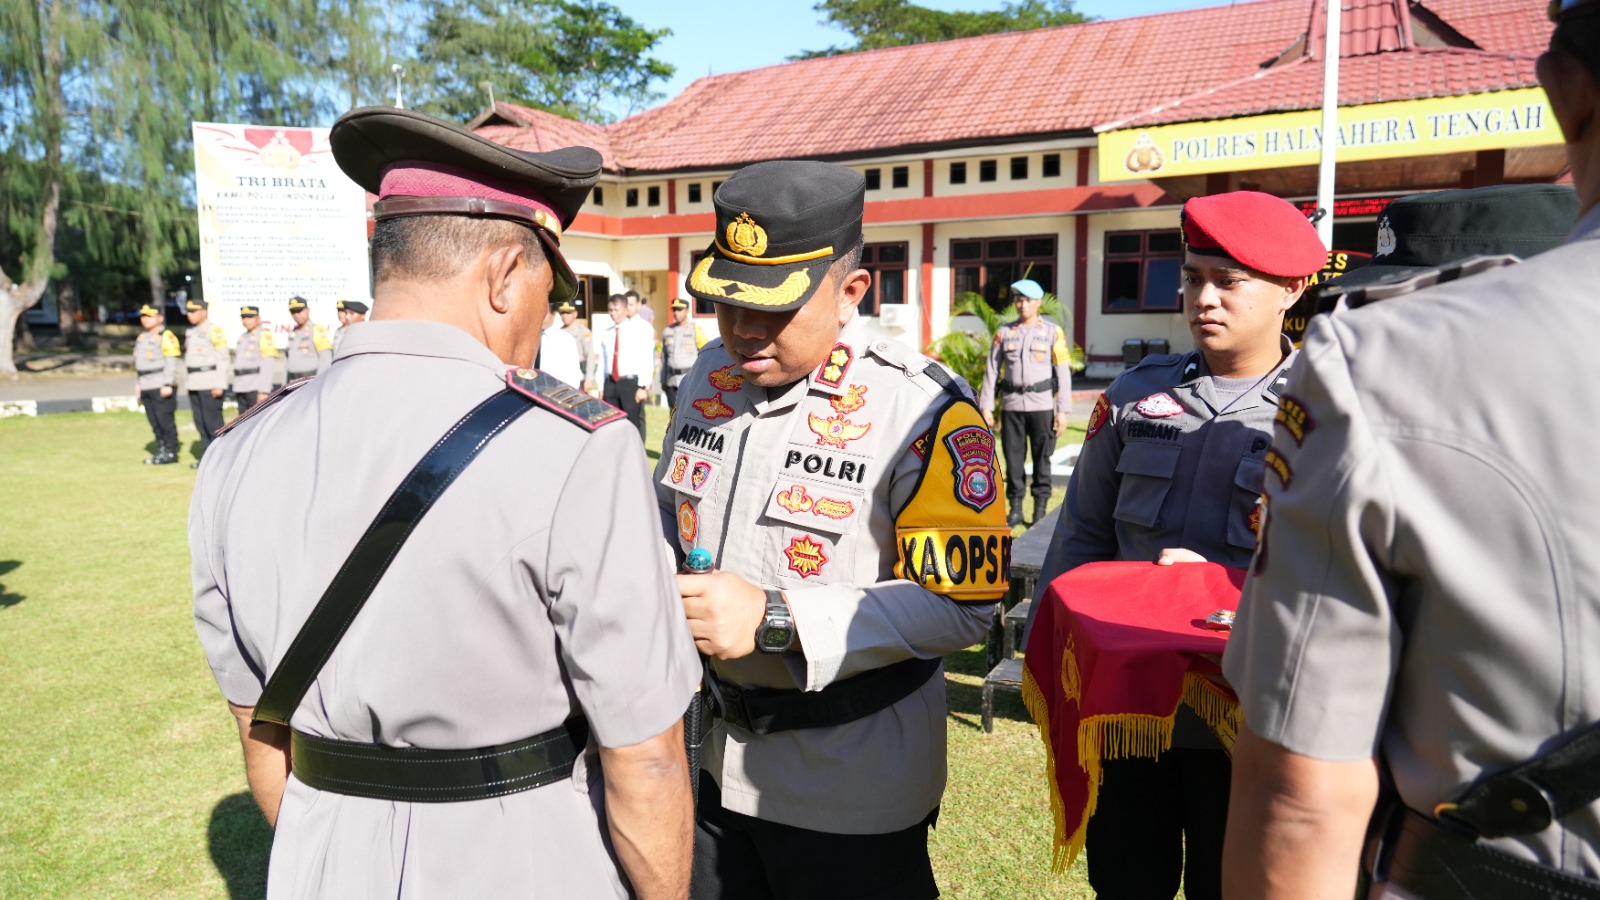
pixel 776 638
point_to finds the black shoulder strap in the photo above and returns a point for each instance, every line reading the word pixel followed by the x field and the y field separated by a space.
pixel 942 379
pixel 364 568
pixel 1528 798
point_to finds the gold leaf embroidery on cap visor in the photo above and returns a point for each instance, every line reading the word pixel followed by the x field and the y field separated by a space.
pixel 789 291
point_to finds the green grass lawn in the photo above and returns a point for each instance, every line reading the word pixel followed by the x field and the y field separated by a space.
pixel 122 775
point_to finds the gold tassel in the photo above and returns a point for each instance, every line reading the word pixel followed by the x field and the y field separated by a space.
pixel 1062 851
pixel 1213 705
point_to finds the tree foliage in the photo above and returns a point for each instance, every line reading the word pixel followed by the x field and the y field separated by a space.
pixel 875 24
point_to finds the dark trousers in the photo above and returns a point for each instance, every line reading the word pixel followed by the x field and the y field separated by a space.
pixel 620 394
pixel 246 400
pixel 739 857
pixel 672 398
pixel 207 411
pixel 1020 431
pixel 162 415
pixel 1158 821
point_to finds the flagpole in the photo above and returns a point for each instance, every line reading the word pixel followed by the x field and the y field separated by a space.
pixel 1330 123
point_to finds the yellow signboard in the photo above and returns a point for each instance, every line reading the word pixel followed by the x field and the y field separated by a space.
pixel 1503 119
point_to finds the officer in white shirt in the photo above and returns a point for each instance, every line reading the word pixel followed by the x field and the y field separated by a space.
pixel 558 352
pixel 627 358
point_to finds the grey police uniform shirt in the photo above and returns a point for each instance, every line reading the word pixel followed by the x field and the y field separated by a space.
pixel 252 371
pixel 537 587
pixel 206 361
pixel 302 356
pixel 1428 587
pixel 585 341
pixel 1025 356
pixel 152 367
pixel 798 489
pixel 678 352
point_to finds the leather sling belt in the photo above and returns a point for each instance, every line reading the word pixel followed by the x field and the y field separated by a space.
pixel 409 774
pixel 1444 857
pixel 1045 385
pixel 769 710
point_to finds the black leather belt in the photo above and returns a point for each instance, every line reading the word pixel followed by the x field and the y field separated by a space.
pixel 676 371
pixel 150 371
pixel 1427 859
pixel 193 369
pixel 414 775
pixel 769 710
pixel 306 373
pixel 247 371
pixel 1045 385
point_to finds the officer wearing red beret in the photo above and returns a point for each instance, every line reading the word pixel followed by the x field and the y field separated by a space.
pixel 1170 472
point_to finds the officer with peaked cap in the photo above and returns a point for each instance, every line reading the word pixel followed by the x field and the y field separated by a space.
pixel 208 370
pixel 579 333
pixel 349 312
pixel 503 718
pixel 1170 472
pixel 680 347
pixel 255 355
pixel 155 366
pixel 1415 648
pixel 310 350
pixel 846 487
pixel 1031 366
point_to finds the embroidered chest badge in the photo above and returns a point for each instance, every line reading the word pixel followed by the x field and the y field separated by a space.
pixel 1159 406
pixel 829 508
pixel 835 431
pixel 836 366
pixel 806 556
pixel 713 408
pixel 1294 418
pixel 725 379
pixel 851 400
pixel 698 476
pixel 920 445
pixel 688 521
pixel 679 467
pixel 795 499
pixel 973 449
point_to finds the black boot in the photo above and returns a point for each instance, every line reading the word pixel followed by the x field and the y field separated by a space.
pixel 1039 504
pixel 1014 517
pixel 165 454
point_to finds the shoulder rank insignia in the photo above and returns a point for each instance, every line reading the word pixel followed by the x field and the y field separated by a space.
pixel 169 344
pixel 265 402
pixel 836 367
pixel 219 338
pixel 319 337
pixel 562 399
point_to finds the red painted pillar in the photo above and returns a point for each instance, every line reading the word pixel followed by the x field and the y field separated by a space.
pixel 927 283
pixel 672 197
pixel 672 268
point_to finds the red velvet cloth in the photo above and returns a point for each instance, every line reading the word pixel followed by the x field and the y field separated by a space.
pixel 1115 647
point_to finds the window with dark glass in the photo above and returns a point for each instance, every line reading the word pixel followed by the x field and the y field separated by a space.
pixel 1050 165
pixel 988 169
pixel 988 266
pixel 694 192
pixel 653 195
pixel 1143 270
pixel 1019 168
pixel 714 186
pixel 958 173
pixel 888 264
pixel 900 176
pixel 873 179
pixel 632 197
pixel 599 196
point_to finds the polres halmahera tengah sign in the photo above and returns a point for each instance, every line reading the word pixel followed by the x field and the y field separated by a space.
pixel 1493 121
pixel 277 219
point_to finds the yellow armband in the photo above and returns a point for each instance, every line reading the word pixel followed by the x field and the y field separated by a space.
pixel 269 347
pixel 699 338
pixel 219 338
pixel 952 536
pixel 170 345
pixel 319 338
pixel 1059 352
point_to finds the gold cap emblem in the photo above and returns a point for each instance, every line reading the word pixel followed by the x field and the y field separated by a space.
pixel 745 236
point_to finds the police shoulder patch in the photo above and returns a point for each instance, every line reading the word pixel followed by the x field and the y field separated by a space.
pixel 562 399
pixel 319 337
pixel 219 338
pixel 952 535
pixel 269 347
pixel 1097 419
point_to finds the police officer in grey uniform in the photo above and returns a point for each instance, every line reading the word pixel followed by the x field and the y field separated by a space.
pixel 309 350
pixel 349 312
pixel 254 356
pixel 1418 634
pixel 535 598
pixel 1170 472
pixel 680 346
pixel 1031 366
pixel 580 334
pixel 155 367
pixel 846 488
pixel 208 370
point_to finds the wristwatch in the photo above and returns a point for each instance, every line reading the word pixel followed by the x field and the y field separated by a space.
pixel 775 634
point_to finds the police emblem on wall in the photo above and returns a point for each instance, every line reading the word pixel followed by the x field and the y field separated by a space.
pixel 972 446
pixel 1144 155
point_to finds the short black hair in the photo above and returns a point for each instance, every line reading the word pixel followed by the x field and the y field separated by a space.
pixel 1578 36
pixel 430 248
pixel 616 298
pixel 847 263
pixel 633 294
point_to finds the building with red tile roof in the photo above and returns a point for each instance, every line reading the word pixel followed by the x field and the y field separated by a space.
pixel 995 156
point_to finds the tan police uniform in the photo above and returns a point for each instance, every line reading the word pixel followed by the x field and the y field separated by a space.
pixel 1031 368
pixel 680 346
pixel 1427 589
pixel 585 340
pixel 254 356
pixel 309 350
pixel 155 366
pixel 207 365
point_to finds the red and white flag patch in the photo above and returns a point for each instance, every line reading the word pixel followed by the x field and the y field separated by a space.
pixel 1159 406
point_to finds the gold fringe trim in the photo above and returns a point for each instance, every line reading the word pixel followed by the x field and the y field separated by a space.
pixel 1061 853
pixel 1214 707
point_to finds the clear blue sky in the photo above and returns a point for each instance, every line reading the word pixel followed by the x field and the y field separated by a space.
pixel 710 38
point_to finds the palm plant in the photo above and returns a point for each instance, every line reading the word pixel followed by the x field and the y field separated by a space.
pixel 967 352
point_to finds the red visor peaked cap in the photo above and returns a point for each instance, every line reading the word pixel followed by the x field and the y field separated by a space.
pixel 1261 231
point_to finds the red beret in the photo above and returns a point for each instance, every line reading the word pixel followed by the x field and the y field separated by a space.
pixel 1259 230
